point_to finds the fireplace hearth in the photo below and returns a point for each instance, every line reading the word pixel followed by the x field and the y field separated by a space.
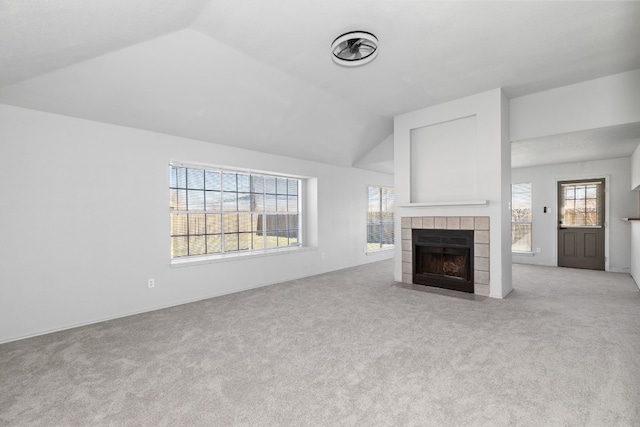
pixel 443 258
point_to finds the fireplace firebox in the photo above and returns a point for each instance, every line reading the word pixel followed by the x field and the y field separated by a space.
pixel 443 258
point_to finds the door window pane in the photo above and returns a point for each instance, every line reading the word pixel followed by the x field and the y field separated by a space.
pixel 582 204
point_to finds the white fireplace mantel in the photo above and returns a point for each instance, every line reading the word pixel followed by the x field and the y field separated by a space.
pixel 477 203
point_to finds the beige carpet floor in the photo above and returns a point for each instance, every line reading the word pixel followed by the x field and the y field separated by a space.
pixel 346 348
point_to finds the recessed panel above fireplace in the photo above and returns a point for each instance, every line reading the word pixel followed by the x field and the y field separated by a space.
pixel 443 258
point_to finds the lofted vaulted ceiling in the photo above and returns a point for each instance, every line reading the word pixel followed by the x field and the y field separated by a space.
pixel 258 74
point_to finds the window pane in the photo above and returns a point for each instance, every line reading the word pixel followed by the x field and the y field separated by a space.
pixel 173 180
pixel 195 179
pixel 257 203
pixel 271 223
pixel 244 202
pixel 195 200
pixel 292 202
pixel 293 221
pixel 521 202
pixel 281 185
pixel 212 180
pixel 270 203
pixel 244 241
pixel 178 200
pixel 244 183
pixel 229 182
pixel 196 225
pixel 257 184
pixel 212 200
pixel 282 222
pixel 521 237
pixel 197 245
pixel 272 240
pixel 293 187
pixel 387 202
pixel 374 199
pixel 231 242
pixel 387 235
pixel 181 177
pixel 230 223
pixel 174 200
pixel 229 202
pixel 373 233
pixel 256 228
pixel 179 246
pixel 270 184
pixel 570 193
pixel 281 203
pixel 214 224
pixel 214 244
pixel 179 225
pixel 258 241
pixel 591 212
pixel 244 222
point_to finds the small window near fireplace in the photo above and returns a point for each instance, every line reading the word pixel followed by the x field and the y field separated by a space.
pixel 380 227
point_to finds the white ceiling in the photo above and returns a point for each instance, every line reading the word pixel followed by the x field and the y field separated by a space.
pixel 594 144
pixel 258 75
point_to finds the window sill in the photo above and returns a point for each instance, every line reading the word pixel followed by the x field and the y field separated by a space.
pixel 379 251
pixel 211 259
pixel 523 253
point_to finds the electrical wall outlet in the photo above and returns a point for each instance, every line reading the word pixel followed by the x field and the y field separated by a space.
pixel 323 257
pixel 151 283
pixel 538 250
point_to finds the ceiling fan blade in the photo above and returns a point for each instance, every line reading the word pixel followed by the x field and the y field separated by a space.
pixel 343 52
pixel 368 47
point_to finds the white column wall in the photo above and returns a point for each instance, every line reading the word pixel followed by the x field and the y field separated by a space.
pixel 492 177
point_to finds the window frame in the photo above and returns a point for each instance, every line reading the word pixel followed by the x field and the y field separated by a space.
pixel 380 223
pixel 598 202
pixel 529 223
pixel 238 253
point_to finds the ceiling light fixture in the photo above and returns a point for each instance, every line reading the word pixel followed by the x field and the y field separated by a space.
pixel 354 48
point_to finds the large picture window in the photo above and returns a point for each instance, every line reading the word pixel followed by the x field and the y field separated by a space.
pixel 521 217
pixel 216 211
pixel 380 226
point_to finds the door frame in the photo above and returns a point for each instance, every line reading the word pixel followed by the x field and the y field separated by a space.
pixel 607 183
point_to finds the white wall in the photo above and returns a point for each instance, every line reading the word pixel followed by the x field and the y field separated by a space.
pixel 635 251
pixel 622 202
pixel 607 101
pixel 491 177
pixel 85 222
pixel 635 170
pixel 635 225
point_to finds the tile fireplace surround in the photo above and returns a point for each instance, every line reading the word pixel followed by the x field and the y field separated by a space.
pixel 480 227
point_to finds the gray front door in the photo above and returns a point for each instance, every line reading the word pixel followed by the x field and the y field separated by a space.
pixel 581 224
